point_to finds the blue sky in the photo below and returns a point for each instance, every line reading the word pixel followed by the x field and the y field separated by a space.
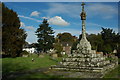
pixel 64 16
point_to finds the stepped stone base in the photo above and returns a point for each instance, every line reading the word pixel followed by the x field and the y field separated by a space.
pixel 86 61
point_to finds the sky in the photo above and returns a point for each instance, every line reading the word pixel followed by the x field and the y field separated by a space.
pixel 65 16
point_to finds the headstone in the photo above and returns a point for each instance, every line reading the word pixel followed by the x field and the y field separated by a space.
pixel 24 55
pixel 55 55
pixel 41 56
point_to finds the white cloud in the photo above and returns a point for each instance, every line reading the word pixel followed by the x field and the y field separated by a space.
pixel 30 27
pixel 26 27
pixel 45 17
pixel 22 24
pixel 57 20
pixel 72 31
pixel 35 13
pixel 29 18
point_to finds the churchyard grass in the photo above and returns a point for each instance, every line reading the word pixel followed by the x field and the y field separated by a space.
pixel 25 63
pixel 115 73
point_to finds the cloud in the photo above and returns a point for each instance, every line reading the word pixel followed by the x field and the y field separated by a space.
pixel 105 11
pixel 96 25
pixel 30 27
pixel 29 18
pixel 61 8
pixel 96 28
pixel 30 30
pixel 72 31
pixel 108 17
pixel 57 20
pixel 22 25
pixel 35 13
pixel 45 17
pixel 75 32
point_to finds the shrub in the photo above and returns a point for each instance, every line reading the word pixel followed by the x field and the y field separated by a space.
pixel 25 53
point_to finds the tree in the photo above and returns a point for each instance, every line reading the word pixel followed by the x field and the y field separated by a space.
pixel 96 41
pixel 13 37
pixel 58 47
pixel 45 37
pixel 74 46
pixel 65 37
pixel 108 36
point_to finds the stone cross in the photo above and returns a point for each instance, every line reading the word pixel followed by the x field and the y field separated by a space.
pixel 84 44
pixel 82 6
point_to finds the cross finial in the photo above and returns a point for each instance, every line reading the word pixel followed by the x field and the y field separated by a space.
pixel 82 6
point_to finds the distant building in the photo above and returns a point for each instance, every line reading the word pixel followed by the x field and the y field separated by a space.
pixel 67 47
pixel 30 50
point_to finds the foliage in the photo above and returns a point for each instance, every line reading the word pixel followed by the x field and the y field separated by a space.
pixel 13 37
pixel 110 40
pixel 58 47
pixel 96 41
pixel 74 46
pixel 24 53
pixel 106 41
pixel 65 37
pixel 45 37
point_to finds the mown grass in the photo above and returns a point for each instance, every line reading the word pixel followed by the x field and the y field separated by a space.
pixel 25 63
pixel 115 73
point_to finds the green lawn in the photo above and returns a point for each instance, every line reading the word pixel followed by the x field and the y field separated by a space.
pixel 25 63
pixel 114 73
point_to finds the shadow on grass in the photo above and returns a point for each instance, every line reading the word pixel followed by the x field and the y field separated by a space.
pixel 33 74
pixel 9 69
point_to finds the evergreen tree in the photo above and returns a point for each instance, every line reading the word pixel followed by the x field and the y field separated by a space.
pixel 45 37
pixel 13 37
pixel 96 41
pixel 108 36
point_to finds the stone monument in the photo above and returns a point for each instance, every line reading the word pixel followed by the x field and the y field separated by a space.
pixel 84 59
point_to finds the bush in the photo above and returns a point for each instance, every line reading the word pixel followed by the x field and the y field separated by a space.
pixel 58 47
pixel 59 54
pixel 25 53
